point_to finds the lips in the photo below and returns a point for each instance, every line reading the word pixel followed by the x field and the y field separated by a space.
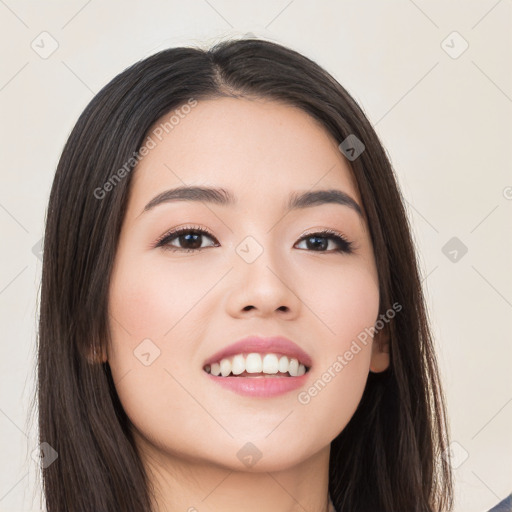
pixel 256 344
pixel 260 386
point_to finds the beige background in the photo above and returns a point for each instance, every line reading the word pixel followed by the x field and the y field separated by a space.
pixel 444 115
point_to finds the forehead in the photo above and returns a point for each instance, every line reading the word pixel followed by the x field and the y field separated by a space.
pixel 258 148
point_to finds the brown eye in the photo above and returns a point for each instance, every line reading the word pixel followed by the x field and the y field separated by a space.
pixel 184 239
pixel 319 242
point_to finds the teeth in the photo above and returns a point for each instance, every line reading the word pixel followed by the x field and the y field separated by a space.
pixel 225 367
pixel 215 369
pixel 283 364
pixel 293 368
pixel 253 363
pixel 270 364
pixel 238 365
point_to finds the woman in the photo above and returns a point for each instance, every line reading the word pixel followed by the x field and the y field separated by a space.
pixel 231 310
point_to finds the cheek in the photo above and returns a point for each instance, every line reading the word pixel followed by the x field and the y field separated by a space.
pixel 347 305
pixel 146 302
pixel 148 298
pixel 357 307
pixel 345 300
pixel 155 316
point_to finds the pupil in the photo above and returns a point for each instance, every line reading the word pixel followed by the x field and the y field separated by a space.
pixel 186 239
pixel 322 244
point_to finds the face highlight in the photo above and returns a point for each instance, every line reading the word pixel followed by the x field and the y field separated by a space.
pixel 251 266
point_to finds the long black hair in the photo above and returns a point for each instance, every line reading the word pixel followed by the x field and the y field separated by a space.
pixel 388 458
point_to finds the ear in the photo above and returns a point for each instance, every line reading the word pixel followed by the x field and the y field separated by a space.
pixel 96 356
pixel 380 351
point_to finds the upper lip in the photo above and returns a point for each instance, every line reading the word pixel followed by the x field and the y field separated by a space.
pixel 273 344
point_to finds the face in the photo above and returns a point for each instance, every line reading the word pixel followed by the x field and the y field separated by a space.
pixel 177 300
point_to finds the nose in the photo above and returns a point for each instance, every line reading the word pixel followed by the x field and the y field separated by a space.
pixel 263 287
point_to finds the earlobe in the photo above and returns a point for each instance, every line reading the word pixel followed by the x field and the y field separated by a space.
pixel 380 352
pixel 96 356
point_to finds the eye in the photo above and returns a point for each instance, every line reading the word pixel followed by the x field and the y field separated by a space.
pixel 189 239
pixel 321 240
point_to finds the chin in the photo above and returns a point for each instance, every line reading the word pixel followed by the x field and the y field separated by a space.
pixel 261 455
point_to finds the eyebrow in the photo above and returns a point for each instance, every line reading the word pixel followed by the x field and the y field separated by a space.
pixel 223 197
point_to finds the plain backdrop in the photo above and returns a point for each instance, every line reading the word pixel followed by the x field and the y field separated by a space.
pixel 434 78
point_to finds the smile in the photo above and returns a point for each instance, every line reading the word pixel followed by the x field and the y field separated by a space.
pixel 255 365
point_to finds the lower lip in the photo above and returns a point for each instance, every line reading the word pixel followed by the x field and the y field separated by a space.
pixel 264 387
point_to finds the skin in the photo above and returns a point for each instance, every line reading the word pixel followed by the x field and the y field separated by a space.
pixel 187 429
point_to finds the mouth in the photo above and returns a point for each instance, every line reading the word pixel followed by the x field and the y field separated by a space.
pixel 257 365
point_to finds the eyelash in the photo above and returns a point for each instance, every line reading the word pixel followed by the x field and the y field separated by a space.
pixel 345 246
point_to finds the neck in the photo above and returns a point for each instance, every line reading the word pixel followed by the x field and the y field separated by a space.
pixel 181 484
